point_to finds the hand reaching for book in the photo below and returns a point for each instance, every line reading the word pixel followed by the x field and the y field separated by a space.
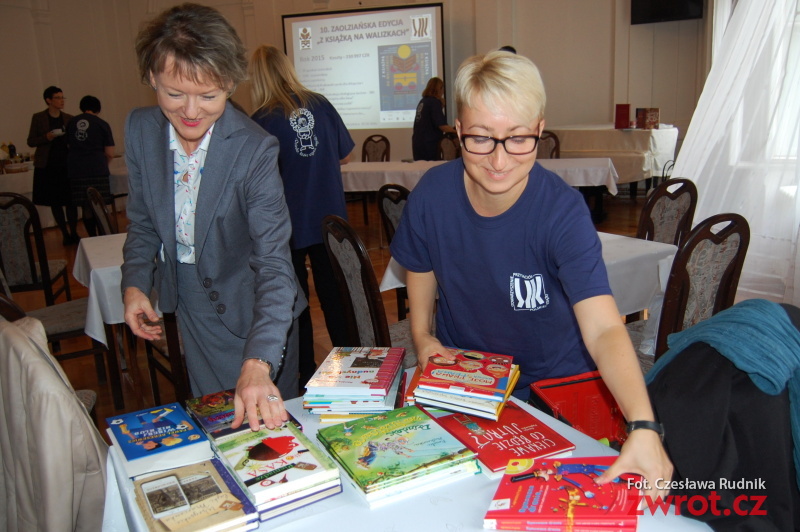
pixel 644 454
pixel 257 394
pixel 431 348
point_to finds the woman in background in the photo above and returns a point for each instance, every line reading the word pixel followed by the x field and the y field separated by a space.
pixel 91 148
pixel 208 221
pixel 313 143
pixel 430 124
pixel 50 181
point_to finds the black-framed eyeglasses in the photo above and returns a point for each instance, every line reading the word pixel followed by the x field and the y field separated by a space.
pixel 514 145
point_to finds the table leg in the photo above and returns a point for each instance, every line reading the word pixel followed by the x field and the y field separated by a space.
pixel 113 369
pixel 126 341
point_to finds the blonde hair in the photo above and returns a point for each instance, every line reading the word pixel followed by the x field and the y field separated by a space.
pixel 501 80
pixel 201 43
pixel 274 82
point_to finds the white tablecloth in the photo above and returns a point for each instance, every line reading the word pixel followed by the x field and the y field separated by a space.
pixel 635 270
pixel 637 153
pixel 359 176
pixel 459 506
pixel 97 266
pixel 22 183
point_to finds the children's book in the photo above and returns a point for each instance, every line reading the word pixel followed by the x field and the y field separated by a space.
pixel 214 413
pixel 472 373
pixel 518 434
pixel 489 409
pixel 274 463
pixel 308 496
pixel 340 404
pixel 198 497
pixel 360 371
pixel 553 492
pixel 389 451
pixel 158 438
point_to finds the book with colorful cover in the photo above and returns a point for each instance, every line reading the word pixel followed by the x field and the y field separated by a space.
pixel 275 463
pixel 470 373
pixel 518 434
pixel 214 413
pixel 486 408
pixel 534 494
pixel 154 439
pixel 319 404
pixel 197 497
pixel 391 450
pixel 360 371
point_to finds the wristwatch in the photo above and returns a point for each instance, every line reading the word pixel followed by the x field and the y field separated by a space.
pixel 264 361
pixel 650 425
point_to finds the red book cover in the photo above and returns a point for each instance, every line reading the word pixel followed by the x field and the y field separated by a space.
pixel 562 492
pixel 516 435
pixel 622 116
pixel 472 373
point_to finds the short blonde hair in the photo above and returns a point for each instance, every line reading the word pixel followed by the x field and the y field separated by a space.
pixel 501 80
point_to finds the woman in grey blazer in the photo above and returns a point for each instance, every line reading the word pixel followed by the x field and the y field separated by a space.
pixel 209 227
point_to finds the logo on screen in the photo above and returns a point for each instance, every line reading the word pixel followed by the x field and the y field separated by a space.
pixel 421 27
pixel 527 292
pixel 304 38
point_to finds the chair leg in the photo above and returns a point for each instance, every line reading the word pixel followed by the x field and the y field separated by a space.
pixel 402 300
pixel 151 366
pixel 100 366
pixel 365 206
pixel 113 368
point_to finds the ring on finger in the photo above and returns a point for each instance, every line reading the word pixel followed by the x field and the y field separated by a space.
pixel 272 397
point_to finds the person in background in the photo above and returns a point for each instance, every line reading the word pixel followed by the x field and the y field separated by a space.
pixel 208 220
pixel 314 142
pixel 50 181
pixel 91 148
pixel 512 253
pixel 430 123
pixel 507 48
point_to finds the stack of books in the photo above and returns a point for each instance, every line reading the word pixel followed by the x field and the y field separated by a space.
pixel 356 380
pixel 473 382
pixel 178 482
pixel 397 454
pixel 561 494
pixel 517 435
pixel 280 469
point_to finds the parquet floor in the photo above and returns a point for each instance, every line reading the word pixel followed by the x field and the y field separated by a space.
pixel 623 214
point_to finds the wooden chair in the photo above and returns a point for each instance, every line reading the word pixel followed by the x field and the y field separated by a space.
pixel 705 274
pixel 449 147
pixel 361 297
pixel 668 213
pixel 105 224
pixel 549 146
pixel 376 148
pixel 22 251
pixel 166 356
pixel 667 216
pixel 391 201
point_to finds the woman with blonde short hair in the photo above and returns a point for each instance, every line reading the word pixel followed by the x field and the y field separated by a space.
pixel 510 251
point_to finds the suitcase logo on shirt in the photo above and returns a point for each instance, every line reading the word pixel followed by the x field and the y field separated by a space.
pixel 527 292
pixel 302 122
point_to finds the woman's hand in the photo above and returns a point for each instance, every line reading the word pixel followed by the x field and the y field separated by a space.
pixel 644 454
pixel 139 314
pixel 431 347
pixel 256 393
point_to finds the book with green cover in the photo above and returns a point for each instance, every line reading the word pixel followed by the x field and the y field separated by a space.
pixel 386 450
pixel 273 463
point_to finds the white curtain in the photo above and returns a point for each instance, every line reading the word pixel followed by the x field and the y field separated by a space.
pixel 742 144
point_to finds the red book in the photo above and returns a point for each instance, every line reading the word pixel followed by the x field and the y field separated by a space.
pixel 516 435
pixel 561 492
pixel 472 373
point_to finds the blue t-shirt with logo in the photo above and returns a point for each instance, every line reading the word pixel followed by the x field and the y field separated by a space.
pixel 312 142
pixel 506 284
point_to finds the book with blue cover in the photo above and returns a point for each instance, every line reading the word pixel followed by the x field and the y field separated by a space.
pixel 159 438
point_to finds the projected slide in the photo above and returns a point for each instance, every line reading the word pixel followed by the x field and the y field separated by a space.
pixel 372 65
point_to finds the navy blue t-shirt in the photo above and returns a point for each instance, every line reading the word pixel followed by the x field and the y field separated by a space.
pixel 506 284
pixel 312 142
pixel 87 137
pixel 426 134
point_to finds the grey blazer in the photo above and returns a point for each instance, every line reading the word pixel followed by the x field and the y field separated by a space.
pixel 242 228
